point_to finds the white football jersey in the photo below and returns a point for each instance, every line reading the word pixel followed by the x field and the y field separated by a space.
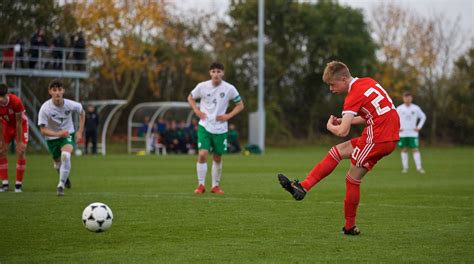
pixel 58 118
pixel 214 102
pixel 411 117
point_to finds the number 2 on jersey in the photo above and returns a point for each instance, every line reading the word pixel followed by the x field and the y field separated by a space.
pixel 380 97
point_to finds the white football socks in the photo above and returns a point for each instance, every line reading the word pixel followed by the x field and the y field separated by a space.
pixel 216 173
pixel 417 158
pixel 201 169
pixel 405 160
pixel 65 168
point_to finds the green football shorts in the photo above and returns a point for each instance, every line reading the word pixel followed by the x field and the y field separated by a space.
pixel 408 142
pixel 216 143
pixel 55 145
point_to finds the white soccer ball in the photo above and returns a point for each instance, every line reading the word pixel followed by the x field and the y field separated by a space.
pixel 97 217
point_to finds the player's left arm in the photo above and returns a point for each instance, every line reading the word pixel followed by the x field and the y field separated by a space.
pixel 237 109
pixel 422 118
pixel 20 146
pixel 340 127
pixel 80 131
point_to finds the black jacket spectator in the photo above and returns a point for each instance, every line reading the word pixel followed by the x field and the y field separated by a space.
pixel 38 40
pixel 58 42
pixel 92 127
pixel 80 56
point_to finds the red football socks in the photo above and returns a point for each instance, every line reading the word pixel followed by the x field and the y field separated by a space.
pixel 322 169
pixel 4 169
pixel 20 170
pixel 351 202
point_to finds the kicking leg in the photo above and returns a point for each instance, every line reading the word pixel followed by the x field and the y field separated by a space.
pixel 319 172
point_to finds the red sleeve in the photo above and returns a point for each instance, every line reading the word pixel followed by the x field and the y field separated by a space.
pixel 17 105
pixel 353 103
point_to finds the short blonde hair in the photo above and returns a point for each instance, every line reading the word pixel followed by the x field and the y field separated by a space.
pixel 335 70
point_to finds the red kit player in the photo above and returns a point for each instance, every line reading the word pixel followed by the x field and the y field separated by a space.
pixel 14 125
pixel 366 103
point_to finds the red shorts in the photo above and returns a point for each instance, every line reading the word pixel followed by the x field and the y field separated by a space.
pixel 9 132
pixel 367 155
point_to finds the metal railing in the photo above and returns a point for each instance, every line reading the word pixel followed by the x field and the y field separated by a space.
pixel 14 57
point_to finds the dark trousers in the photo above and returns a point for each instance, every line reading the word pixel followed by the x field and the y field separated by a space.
pixel 91 136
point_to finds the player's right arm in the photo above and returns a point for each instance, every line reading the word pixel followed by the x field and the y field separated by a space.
pixel 196 110
pixel 340 129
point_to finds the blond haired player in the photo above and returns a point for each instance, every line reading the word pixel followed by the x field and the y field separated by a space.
pixel 366 103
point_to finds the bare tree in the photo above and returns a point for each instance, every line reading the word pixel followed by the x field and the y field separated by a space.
pixel 417 53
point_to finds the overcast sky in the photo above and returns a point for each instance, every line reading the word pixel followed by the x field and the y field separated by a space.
pixel 451 8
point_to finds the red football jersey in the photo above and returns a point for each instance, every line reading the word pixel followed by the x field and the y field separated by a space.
pixel 369 100
pixel 7 112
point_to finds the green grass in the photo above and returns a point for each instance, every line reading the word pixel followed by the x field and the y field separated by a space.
pixel 403 217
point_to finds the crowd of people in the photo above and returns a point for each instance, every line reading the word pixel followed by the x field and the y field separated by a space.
pixel 171 136
pixel 52 53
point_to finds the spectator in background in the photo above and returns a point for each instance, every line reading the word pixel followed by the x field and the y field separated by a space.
pixel 161 126
pixel 59 42
pixel 92 127
pixel 37 41
pixel 172 138
pixel 142 132
pixel 192 139
pixel 183 137
pixel 144 127
pixel 233 144
pixel 80 54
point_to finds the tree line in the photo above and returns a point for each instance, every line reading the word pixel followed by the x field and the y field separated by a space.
pixel 147 50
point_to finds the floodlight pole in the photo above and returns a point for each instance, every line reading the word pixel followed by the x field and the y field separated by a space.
pixel 261 66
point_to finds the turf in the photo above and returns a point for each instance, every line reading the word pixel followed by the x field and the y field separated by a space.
pixel 403 217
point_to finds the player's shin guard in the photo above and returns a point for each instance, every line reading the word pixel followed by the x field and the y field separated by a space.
pixel 4 170
pixel 20 170
pixel 322 169
pixel 216 173
pixel 65 168
pixel 201 169
pixel 351 202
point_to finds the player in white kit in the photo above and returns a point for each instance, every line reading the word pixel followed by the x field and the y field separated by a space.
pixel 215 95
pixel 56 124
pixel 412 120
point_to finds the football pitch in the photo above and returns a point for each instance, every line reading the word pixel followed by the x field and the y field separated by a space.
pixel 157 218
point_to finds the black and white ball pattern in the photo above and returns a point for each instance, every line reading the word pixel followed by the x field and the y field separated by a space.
pixel 97 217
